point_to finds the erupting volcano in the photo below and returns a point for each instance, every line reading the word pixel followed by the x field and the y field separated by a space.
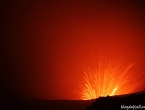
pixel 110 78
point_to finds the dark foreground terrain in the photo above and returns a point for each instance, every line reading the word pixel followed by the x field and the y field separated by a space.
pixel 45 104
pixel 127 101
pixel 135 101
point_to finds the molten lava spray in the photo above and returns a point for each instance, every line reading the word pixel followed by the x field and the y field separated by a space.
pixel 110 78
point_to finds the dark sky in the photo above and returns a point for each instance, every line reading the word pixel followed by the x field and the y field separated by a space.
pixel 43 43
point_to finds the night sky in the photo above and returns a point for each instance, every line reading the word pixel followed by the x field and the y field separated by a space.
pixel 43 44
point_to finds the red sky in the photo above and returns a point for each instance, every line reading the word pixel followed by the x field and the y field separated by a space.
pixel 44 43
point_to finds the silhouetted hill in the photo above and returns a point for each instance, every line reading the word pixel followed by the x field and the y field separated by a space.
pixel 101 103
pixel 45 104
pixel 127 101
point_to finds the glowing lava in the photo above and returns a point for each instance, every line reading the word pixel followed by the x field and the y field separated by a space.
pixel 110 78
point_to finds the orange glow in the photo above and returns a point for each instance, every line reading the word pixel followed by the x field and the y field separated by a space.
pixel 110 78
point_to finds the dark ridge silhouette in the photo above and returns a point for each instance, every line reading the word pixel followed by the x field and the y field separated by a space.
pixel 25 104
pixel 124 102
pixel 101 103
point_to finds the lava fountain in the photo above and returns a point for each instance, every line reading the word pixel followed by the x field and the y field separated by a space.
pixel 110 78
